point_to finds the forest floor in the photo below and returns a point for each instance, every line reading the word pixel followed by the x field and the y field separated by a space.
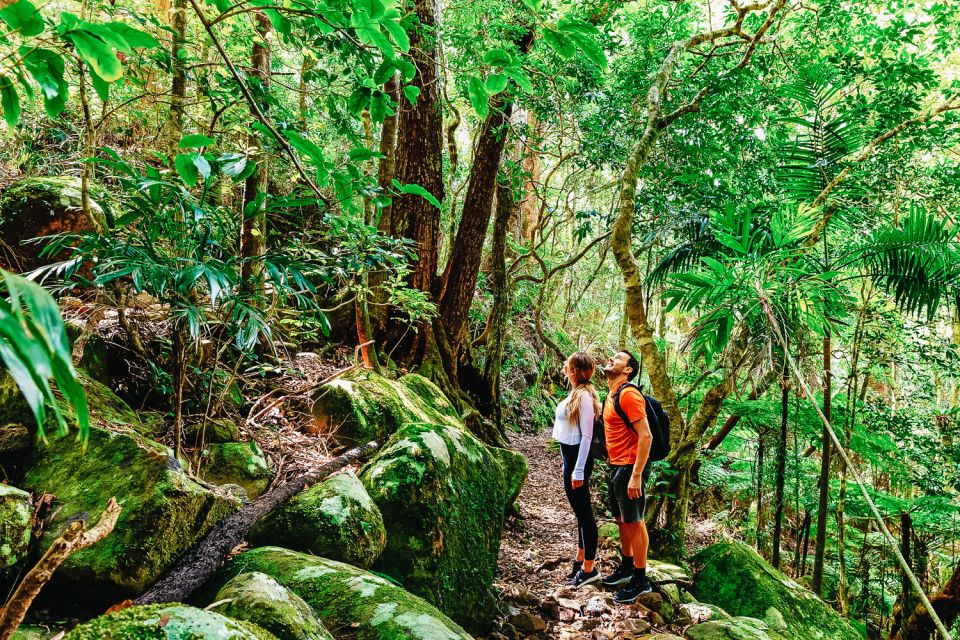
pixel 535 556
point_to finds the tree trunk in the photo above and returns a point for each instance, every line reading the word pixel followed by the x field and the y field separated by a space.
pixel 530 207
pixel 388 148
pixel 463 266
pixel 778 501
pixel 199 563
pixel 824 503
pixel 917 624
pixel 253 232
pixel 419 153
pixel 906 530
pixel 760 515
pixel 800 554
pixel 501 299
pixel 173 129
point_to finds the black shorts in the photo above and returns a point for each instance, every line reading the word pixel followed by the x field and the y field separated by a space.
pixel 621 506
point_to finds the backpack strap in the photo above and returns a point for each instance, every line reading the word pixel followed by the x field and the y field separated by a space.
pixel 619 409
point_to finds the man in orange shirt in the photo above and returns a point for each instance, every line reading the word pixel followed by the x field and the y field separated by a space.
pixel 628 448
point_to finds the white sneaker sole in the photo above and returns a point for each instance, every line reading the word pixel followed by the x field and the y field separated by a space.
pixel 595 578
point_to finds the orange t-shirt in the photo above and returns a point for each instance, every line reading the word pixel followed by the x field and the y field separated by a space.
pixel 621 439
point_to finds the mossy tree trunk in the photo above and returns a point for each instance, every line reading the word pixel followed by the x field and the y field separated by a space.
pixel 173 127
pixel 778 500
pixel 501 299
pixel 253 232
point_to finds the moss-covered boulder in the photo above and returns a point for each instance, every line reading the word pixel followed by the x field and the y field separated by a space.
pixel 15 516
pixel 361 405
pixel 34 207
pixel 213 430
pixel 36 632
pixel 258 598
pixel 335 519
pixel 240 463
pixel 347 598
pixel 734 577
pixel 14 438
pixel 166 622
pixel 443 494
pixel 738 628
pixel 164 511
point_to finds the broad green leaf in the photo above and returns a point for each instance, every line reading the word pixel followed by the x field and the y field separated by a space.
pixel 591 49
pixel 560 43
pixel 361 154
pixel 9 101
pixel 477 91
pixel 187 169
pixel 278 20
pixel 406 69
pixel 98 54
pixel 194 141
pixel 411 93
pixel 497 58
pixel 398 34
pixel 134 37
pixel 307 147
pixel 23 18
pixel 573 26
pixel 384 72
pixel 496 83
pixel 520 77
pixel 417 190
pixel 101 86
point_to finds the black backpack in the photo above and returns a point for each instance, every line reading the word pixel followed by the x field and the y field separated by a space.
pixel 657 419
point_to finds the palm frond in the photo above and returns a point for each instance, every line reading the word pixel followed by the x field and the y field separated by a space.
pixel 918 263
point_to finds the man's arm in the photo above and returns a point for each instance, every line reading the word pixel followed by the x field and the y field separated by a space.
pixel 644 441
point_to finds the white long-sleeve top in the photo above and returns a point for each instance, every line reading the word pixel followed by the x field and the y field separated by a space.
pixel 580 432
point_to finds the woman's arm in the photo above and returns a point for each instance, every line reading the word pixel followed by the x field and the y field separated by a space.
pixel 585 420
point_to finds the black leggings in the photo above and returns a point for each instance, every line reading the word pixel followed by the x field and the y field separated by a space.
pixel 580 500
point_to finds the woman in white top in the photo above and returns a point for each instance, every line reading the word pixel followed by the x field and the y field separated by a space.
pixel 573 429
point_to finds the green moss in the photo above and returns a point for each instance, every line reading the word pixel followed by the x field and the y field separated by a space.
pixel 739 628
pixel 164 512
pixel 240 463
pixel 363 604
pixel 733 576
pixel 15 520
pixel 259 599
pixel 35 632
pixel 362 405
pixel 165 622
pixel 214 430
pixel 443 494
pixel 335 519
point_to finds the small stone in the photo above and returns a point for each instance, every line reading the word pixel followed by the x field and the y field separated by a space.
pixel 496 635
pixel 16 514
pixel 586 624
pixel 567 615
pixel 14 437
pixel 569 603
pixel 694 613
pixel 652 601
pixel 657 619
pixel 634 626
pixel 550 610
pixel 565 592
pixel 510 632
pixel 522 596
pixel 527 622
pixel 595 606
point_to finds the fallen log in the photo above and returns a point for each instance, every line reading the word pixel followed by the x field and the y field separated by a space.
pixel 198 564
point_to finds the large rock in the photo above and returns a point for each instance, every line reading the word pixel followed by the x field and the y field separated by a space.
pixel 164 511
pixel 361 406
pixel 239 463
pixel 15 516
pixel 335 519
pixel 345 597
pixel 733 576
pixel 258 598
pixel 166 622
pixel 443 495
pixel 739 628
pixel 34 207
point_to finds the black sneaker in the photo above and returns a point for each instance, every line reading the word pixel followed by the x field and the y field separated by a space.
pixel 621 576
pixel 583 578
pixel 574 571
pixel 632 591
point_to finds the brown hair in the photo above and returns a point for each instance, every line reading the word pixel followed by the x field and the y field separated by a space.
pixel 581 367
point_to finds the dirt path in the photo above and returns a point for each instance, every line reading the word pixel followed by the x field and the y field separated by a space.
pixel 535 557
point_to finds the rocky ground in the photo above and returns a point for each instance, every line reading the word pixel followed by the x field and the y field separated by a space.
pixel 535 557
